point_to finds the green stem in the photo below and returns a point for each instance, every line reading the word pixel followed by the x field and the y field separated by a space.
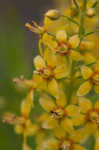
pixel 70 19
pixel 51 34
pixel 92 32
pixel 82 15
pixel 71 87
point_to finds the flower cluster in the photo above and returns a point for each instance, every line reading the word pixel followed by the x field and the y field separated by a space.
pixel 66 78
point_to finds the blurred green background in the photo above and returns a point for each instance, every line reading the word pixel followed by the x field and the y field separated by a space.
pixel 18 46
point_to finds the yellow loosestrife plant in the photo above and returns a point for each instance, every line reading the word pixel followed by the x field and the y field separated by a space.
pixel 66 78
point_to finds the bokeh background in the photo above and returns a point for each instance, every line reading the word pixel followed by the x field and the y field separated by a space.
pixel 18 46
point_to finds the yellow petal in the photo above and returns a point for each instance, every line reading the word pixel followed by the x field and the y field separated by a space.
pixel 59 132
pixel 51 144
pixel 72 110
pixel 19 129
pixel 76 56
pixel 96 88
pixel 47 103
pixel 85 104
pixel 91 128
pixel 89 59
pixel 27 104
pixel 42 117
pixel 26 147
pixel 67 125
pixel 78 147
pixel 87 45
pixel 97 144
pixel 96 66
pixel 50 123
pixel 74 41
pixel 78 120
pixel 84 88
pixel 80 135
pixel 60 60
pixel 39 62
pixel 39 82
pixel 49 39
pixel 50 57
pixel 53 88
pixel 61 36
pixel 61 71
pixel 31 129
pixel 61 101
pixel 96 105
pixel 86 72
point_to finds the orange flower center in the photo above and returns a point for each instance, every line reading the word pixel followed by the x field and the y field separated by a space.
pixel 93 116
pixel 95 78
pixel 66 144
pixel 58 113
pixel 46 73
pixel 63 48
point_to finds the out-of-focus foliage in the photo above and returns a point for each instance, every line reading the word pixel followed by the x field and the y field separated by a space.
pixel 13 62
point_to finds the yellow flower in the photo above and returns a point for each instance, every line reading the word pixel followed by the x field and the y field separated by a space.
pixel 90 114
pixel 62 141
pixel 59 111
pixel 46 74
pixel 65 48
pixel 91 80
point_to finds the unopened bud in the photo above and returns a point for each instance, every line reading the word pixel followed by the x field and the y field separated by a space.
pixel 10 118
pixel 23 82
pixel 53 14
pixel 90 12
pixel 35 28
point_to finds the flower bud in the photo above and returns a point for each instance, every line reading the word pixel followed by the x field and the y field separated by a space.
pixel 22 82
pixel 10 118
pixel 90 12
pixel 61 36
pixel 53 14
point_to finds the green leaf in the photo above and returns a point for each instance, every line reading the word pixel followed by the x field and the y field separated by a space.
pixel 76 4
pixel 95 4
